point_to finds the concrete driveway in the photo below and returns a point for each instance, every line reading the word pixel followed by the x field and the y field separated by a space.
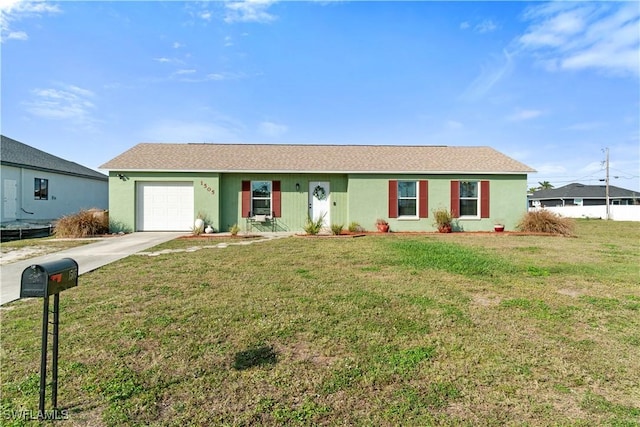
pixel 89 257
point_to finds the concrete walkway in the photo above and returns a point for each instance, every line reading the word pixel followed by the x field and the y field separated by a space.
pixel 89 257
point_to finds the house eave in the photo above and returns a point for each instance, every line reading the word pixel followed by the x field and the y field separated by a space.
pixel 350 172
pixel 60 172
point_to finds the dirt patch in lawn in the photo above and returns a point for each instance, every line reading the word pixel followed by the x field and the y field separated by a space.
pixel 301 351
pixel 574 293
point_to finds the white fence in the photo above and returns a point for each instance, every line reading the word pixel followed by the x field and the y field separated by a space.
pixel 616 212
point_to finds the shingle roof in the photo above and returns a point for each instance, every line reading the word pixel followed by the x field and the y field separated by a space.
pixel 14 153
pixel 314 158
pixel 583 191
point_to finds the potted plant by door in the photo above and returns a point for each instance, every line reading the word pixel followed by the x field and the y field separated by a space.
pixel 382 225
pixel 443 220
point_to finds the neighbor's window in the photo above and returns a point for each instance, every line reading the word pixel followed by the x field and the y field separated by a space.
pixel 41 189
pixel 261 197
pixel 469 200
pixel 407 199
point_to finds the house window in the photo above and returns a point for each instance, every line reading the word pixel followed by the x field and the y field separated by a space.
pixel 469 200
pixel 407 199
pixel 261 197
pixel 41 189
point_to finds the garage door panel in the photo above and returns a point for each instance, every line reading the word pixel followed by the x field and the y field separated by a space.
pixel 164 206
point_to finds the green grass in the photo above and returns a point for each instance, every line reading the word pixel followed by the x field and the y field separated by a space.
pixel 457 329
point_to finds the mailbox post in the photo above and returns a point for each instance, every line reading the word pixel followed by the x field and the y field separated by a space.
pixel 44 280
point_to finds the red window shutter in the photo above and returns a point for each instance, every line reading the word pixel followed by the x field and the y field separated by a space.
pixel 275 199
pixel 393 199
pixel 246 199
pixel 455 199
pixel 424 200
pixel 484 199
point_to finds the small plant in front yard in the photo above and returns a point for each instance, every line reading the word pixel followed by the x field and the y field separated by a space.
pixel 382 225
pixel 234 229
pixel 443 220
pixel 313 227
pixel 336 229
pixel 354 227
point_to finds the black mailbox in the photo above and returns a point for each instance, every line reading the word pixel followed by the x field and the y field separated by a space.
pixel 49 278
pixel 43 280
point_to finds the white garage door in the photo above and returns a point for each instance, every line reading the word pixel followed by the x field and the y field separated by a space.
pixel 164 206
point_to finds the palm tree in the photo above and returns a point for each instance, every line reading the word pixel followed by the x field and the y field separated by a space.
pixel 545 185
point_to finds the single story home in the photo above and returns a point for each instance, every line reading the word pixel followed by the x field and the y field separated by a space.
pixel 38 186
pixel 583 195
pixel 156 186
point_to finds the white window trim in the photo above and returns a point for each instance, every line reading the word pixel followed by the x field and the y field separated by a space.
pixel 270 198
pixel 478 207
pixel 417 199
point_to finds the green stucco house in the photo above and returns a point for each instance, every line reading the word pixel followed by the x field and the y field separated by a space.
pixel 157 187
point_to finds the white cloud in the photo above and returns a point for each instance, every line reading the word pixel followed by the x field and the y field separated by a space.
pixel 177 45
pixel 592 167
pixel 165 60
pixel 183 72
pixel 249 11
pixel 490 75
pixel 12 11
pixel 272 129
pixel 574 36
pixel 486 26
pixel 188 76
pixel 524 115
pixel 17 35
pixel 67 102
pixel 206 15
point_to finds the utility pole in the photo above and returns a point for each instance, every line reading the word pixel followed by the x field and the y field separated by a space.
pixel 607 181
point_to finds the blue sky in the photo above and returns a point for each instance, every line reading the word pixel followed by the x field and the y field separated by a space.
pixel 549 84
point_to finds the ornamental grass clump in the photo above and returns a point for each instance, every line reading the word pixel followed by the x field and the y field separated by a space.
pixel 313 227
pixel 82 224
pixel 543 221
pixel 336 229
pixel 354 227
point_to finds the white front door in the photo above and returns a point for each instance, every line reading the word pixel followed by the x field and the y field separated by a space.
pixel 9 200
pixel 319 202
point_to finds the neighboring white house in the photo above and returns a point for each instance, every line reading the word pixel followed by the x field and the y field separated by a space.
pixel 37 186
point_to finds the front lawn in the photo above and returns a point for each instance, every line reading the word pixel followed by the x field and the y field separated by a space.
pixel 459 329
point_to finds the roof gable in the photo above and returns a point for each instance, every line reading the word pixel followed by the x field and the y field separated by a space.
pixel 315 158
pixel 14 153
